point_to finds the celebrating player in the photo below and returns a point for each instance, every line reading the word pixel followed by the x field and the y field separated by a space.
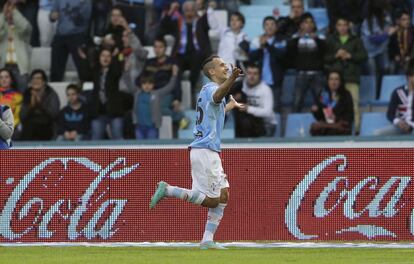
pixel 210 185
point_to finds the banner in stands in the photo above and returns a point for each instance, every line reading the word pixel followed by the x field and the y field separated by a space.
pixel 103 195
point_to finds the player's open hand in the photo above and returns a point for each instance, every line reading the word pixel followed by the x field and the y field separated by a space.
pixel 234 104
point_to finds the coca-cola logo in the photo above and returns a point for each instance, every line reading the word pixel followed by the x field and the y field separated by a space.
pixel 389 194
pixel 15 204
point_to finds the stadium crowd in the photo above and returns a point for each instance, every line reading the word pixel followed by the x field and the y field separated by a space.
pixel 120 92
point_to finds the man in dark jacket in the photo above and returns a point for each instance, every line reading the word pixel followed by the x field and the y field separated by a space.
pixel 289 25
pixel 346 53
pixel 400 108
pixel 192 43
pixel 269 50
pixel 306 51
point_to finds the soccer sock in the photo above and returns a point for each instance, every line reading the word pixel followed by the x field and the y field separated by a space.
pixel 214 217
pixel 190 196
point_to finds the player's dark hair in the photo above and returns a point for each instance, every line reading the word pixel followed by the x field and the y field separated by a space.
pixel 206 62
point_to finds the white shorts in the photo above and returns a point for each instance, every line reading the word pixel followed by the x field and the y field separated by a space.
pixel 207 172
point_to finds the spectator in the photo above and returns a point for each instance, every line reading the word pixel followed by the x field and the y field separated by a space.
pixel 147 106
pixel 134 13
pixel 6 126
pixel 257 119
pixel 29 9
pixel 401 43
pixel 117 26
pixel 46 27
pixel 107 103
pixel 192 43
pixel 73 19
pixel 10 96
pixel 100 11
pixel 351 10
pixel 160 68
pixel 134 55
pixel 306 50
pixel 73 121
pixel 269 51
pixel 345 52
pixel 290 25
pixel 40 109
pixel 233 46
pixel 400 6
pixel 15 32
pixel 334 110
pixel 375 32
pixel 400 108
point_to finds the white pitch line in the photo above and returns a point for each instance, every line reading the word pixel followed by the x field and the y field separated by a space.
pixel 229 244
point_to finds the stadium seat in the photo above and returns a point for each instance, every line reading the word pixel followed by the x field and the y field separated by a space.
pixel 41 58
pixel 321 17
pixel 388 85
pixel 257 11
pixel 151 53
pixel 166 128
pixel 267 2
pixel 60 89
pixel 253 27
pixel 371 122
pixel 298 125
pixel 367 90
pixel 186 95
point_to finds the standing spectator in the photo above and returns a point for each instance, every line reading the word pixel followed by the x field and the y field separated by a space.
pixel 40 109
pixel 192 42
pixel 400 108
pixel 398 7
pixel 9 95
pixel 269 51
pixel 307 50
pixel 401 44
pixel 116 28
pixel 160 68
pixel 107 103
pixel 345 53
pixel 73 120
pixel 375 32
pixel 15 32
pixel 29 9
pixel 257 119
pixel 6 126
pixel 290 25
pixel 100 11
pixel 73 19
pixel 351 10
pixel 233 44
pixel 147 106
pixel 334 110
pixel 46 27
pixel 134 13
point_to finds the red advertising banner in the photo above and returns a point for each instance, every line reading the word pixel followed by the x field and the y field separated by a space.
pixel 102 195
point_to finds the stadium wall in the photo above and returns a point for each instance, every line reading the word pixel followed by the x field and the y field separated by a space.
pixel 323 192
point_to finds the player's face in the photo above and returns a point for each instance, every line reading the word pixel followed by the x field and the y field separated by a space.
pixel 342 26
pixel 253 77
pixel 270 27
pixel 5 79
pixel 334 81
pixel 220 70
pixel 72 96
pixel 159 49
pixel 105 58
pixel 235 23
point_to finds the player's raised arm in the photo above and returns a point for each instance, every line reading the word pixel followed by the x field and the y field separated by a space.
pixel 224 88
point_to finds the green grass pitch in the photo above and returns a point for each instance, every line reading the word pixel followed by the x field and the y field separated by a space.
pixel 137 255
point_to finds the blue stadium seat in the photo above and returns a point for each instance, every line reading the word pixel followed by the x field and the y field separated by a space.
pixel 388 85
pixel 367 90
pixel 298 125
pixel 267 2
pixel 253 27
pixel 257 11
pixel 371 122
pixel 321 17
